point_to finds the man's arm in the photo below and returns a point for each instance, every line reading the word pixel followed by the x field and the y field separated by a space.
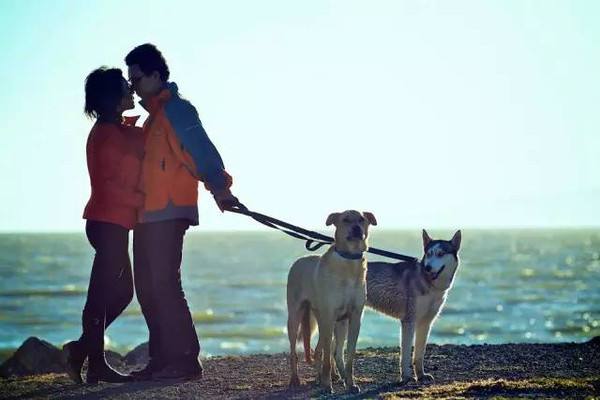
pixel 208 164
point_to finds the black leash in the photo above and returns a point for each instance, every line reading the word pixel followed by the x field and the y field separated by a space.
pixel 314 240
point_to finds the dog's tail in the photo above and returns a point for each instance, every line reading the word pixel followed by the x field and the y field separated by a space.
pixel 308 325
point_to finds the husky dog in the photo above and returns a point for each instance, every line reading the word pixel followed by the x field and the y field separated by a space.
pixel 331 289
pixel 414 293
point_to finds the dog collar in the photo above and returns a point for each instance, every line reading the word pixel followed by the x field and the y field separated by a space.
pixel 349 256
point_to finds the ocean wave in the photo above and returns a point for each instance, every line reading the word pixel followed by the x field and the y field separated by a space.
pixel 249 333
pixel 208 316
pixel 35 292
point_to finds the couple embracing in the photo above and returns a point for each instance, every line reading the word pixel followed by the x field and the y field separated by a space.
pixel 145 180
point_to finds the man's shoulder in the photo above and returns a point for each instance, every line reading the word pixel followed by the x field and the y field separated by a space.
pixel 178 108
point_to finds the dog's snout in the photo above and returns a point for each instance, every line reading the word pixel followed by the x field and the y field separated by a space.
pixel 357 231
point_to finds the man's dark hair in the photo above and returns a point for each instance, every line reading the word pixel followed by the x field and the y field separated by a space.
pixel 150 59
pixel 103 92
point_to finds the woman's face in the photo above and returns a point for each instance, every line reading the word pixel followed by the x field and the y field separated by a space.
pixel 127 97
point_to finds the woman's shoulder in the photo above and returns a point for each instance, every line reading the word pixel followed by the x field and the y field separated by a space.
pixel 104 128
pixel 103 132
pixel 132 129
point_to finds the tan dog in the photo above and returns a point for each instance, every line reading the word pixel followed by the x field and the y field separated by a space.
pixel 331 289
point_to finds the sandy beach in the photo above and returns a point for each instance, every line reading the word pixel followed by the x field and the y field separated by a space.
pixel 566 370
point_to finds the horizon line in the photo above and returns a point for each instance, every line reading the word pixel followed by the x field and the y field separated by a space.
pixel 266 229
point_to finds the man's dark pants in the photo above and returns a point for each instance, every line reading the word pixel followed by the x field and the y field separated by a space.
pixel 157 248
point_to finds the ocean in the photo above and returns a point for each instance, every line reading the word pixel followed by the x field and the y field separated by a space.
pixel 512 286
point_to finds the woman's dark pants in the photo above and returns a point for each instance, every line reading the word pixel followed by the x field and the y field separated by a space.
pixel 111 285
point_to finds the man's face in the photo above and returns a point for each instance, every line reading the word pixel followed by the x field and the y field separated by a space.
pixel 145 86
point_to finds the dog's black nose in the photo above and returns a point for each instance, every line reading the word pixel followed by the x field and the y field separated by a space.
pixel 428 268
pixel 356 231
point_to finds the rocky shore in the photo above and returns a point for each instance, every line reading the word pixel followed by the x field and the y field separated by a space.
pixel 565 370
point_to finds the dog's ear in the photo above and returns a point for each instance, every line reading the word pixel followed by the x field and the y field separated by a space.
pixel 332 219
pixel 426 239
pixel 370 217
pixel 456 240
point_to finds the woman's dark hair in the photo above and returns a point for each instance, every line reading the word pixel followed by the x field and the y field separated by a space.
pixel 149 59
pixel 103 92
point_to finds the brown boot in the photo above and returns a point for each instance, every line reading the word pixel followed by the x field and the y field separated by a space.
pixel 145 374
pixel 74 355
pixel 104 373
pixel 98 368
pixel 189 370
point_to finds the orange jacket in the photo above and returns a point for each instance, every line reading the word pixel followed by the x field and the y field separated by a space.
pixel 178 153
pixel 114 159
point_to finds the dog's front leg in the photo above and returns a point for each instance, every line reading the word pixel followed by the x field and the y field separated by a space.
pixel 353 331
pixel 408 333
pixel 325 338
pixel 340 334
pixel 422 333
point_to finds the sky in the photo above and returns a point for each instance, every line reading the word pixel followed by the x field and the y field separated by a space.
pixel 430 114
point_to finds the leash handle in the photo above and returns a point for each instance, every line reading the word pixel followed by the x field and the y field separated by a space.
pixel 313 240
pixel 310 238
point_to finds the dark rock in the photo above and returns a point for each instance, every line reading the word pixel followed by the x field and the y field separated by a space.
pixel 35 356
pixel 138 356
pixel 595 340
pixel 113 358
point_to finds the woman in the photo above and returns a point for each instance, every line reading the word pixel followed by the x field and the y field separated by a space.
pixel 114 154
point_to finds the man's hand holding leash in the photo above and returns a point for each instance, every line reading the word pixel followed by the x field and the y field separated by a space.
pixel 226 201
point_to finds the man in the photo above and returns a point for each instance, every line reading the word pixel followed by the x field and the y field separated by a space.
pixel 178 153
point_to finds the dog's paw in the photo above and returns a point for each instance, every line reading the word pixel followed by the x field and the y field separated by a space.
pixel 327 389
pixel 354 389
pixel 294 381
pixel 407 381
pixel 426 378
pixel 318 380
pixel 309 357
pixel 317 367
pixel 335 377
